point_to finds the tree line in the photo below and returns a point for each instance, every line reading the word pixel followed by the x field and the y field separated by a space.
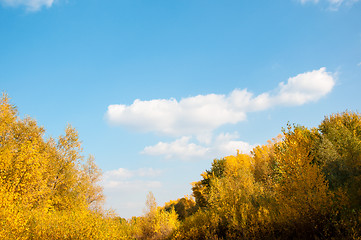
pixel 303 184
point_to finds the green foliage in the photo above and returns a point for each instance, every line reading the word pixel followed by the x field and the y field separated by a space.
pixel 340 153
pixel 184 207
pixel 201 188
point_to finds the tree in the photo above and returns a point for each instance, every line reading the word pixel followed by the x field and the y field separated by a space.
pixel 90 176
pixel 184 207
pixel 201 188
pixel 156 223
pixel 302 194
pixel 340 154
pixel 46 190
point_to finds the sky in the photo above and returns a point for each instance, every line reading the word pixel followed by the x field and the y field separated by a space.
pixel 158 89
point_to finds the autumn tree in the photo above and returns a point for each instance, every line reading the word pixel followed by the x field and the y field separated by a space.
pixel 47 191
pixel 302 193
pixel 156 223
pixel 202 188
pixel 184 207
pixel 90 177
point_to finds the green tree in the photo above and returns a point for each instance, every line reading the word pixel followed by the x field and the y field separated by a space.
pixel 184 207
pixel 340 153
pixel 202 188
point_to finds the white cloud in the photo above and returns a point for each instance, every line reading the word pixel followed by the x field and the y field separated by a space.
pixel 124 187
pixel 223 145
pixel 126 179
pixel 305 87
pixel 30 5
pixel 227 144
pixel 122 173
pixel 359 64
pixel 180 148
pixel 119 173
pixel 194 119
pixel 132 185
pixel 200 115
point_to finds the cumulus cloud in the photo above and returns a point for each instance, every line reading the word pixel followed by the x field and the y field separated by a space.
pixel 305 87
pixel 200 115
pixel 30 5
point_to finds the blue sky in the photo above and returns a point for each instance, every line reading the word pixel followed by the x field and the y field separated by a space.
pixel 158 89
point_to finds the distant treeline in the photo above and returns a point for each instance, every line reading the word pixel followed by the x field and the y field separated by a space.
pixel 304 184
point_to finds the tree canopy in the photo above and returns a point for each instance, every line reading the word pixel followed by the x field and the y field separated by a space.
pixel 304 184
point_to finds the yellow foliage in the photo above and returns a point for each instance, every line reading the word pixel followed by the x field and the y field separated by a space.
pixel 157 223
pixel 303 184
pixel 301 191
pixel 45 190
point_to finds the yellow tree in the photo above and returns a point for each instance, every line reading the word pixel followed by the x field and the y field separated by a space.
pixel 237 200
pixel 156 223
pixel 66 179
pixel 90 177
pixel 22 156
pixel 45 192
pixel 301 191
pixel 23 162
pixel 264 162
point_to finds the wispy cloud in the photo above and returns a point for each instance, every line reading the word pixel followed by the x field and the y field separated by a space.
pixel 123 179
pixel 124 187
pixel 332 5
pixel 30 5
pixel 201 115
pixel 228 143
pixel 181 148
pixel 133 185
pixel 306 1
pixel 186 148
